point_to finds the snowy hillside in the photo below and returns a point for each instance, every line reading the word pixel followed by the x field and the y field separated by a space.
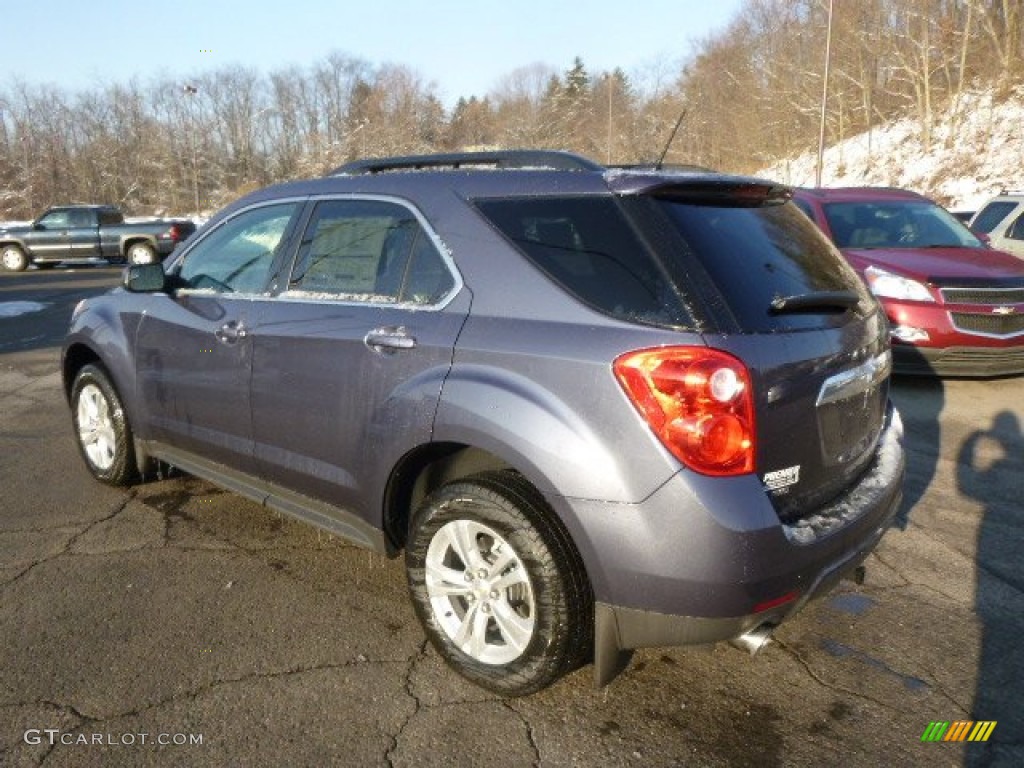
pixel 976 152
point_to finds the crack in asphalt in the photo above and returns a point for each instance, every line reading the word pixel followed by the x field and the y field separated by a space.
pixel 194 694
pixel 416 658
pixel 531 737
pixel 893 569
pixel 831 686
pixel 908 583
pixel 66 549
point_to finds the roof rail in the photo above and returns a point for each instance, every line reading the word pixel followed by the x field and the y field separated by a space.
pixel 499 159
pixel 664 167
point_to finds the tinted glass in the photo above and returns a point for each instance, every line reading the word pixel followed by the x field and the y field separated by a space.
pixel 361 250
pixel 805 208
pixel 897 224
pixel 108 217
pixel 754 255
pixel 237 256
pixel 991 215
pixel 1016 230
pixel 81 218
pixel 589 248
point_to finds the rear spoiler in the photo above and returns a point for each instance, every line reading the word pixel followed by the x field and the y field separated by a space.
pixel 697 187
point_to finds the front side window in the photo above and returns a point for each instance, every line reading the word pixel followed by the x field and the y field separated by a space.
pixel 54 220
pixel 238 255
pixel 369 250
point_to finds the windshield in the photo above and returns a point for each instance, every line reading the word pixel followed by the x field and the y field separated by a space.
pixel 897 224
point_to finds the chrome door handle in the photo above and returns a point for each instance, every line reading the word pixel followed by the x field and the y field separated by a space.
pixel 389 338
pixel 232 331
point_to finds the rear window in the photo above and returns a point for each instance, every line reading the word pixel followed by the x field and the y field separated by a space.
pixel 757 254
pixel 589 248
pixel 991 215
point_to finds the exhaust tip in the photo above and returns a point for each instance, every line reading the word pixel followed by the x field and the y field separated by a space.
pixel 754 640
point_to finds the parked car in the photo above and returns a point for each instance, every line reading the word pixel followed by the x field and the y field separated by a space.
pixel 1002 220
pixel 956 306
pixel 598 409
pixel 89 231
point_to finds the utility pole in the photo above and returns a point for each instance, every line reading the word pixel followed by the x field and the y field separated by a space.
pixel 608 159
pixel 824 96
pixel 191 91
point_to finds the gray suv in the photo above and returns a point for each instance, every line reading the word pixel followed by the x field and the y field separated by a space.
pixel 599 409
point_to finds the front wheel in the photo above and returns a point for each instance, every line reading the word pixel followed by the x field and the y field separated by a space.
pixel 13 258
pixel 141 253
pixel 498 585
pixel 101 426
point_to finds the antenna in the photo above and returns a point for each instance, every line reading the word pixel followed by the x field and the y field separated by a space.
pixel 682 115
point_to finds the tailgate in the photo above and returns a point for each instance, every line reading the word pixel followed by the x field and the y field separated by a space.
pixel 820 401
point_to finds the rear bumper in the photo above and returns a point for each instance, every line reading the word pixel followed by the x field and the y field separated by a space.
pixel 697 564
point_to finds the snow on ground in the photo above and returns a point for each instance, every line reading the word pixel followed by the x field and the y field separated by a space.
pixel 15 308
pixel 977 151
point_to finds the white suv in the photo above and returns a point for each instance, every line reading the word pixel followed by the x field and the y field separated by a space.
pixel 1002 219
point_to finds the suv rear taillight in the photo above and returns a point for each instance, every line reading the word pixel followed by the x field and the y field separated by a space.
pixel 698 401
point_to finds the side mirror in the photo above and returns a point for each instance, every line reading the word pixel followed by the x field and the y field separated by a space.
pixel 983 236
pixel 38 227
pixel 144 278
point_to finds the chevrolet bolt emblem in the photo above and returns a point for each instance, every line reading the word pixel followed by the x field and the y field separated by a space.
pixel 1003 310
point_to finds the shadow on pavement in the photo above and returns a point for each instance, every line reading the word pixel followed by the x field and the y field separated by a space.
pixel 920 400
pixel 989 470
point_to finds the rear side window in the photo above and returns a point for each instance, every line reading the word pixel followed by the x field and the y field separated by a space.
pixel 368 250
pixel 756 254
pixel 589 248
pixel 1016 230
pixel 990 216
pixel 110 217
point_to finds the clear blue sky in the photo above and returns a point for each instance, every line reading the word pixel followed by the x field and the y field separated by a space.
pixel 463 47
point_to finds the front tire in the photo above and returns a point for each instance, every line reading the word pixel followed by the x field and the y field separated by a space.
pixel 498 585
pixel 101 427
pixel 13 258
pixel 141 253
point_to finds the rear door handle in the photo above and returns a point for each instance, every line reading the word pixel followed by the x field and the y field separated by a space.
pixel 389 338
pixel 231 332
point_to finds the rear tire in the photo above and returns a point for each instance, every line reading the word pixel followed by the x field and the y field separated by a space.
pixel 101 427
pixel 13 258
pixel 498 585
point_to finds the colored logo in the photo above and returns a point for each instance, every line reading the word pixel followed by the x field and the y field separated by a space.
pixel 958 730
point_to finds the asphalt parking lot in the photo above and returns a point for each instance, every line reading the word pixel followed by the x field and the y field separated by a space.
pixel 175 624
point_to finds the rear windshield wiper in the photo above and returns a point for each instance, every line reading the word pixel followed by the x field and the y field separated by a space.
pixel 816 301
